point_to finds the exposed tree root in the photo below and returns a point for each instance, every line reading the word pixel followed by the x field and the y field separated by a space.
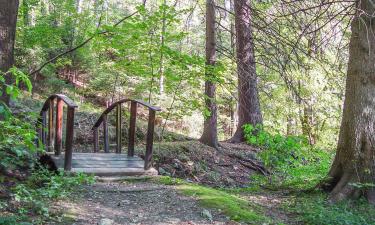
pixel 343 188
pixel 251 164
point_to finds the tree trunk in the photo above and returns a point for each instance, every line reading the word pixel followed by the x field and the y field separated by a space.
pixel 307 123
pixel 162 43
pixel 248 98
pixel 8 22
pixel 354 162
pixel 209 136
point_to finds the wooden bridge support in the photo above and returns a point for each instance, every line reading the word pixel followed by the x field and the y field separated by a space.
pixel 59 128
pixel 105 131
pixel 52 137
pixel 118 128
pixel 69 139
pixel 96 139
pixel 132 122
pixel 150 139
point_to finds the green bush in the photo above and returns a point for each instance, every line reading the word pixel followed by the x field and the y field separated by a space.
pixel 291 160
pixel 43 186
pixel 17 136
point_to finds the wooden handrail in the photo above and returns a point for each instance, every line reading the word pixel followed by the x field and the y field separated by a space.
pixel 103 119
pixel 111 107
pixel 52 137
pixel 64 98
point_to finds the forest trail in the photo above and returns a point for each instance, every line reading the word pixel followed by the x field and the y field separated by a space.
pixel 113 203
pixel 149 202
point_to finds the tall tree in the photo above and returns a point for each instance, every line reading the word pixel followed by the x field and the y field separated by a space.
pixel 248 98
pixel 8 21
pixel 209 135
pixel 353 171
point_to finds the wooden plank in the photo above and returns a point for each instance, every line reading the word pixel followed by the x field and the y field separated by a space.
pixel 105 162
pixel 116 171
pixel 118 128
pixel 69 139
pixel 107 166
pixel 105 131
pixel 133 118
pixel 104 155
pixel 124 163
pixel 150 139
pixel 59 122
pixel 98 156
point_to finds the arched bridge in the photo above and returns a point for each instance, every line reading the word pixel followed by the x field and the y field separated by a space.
pixel 104 163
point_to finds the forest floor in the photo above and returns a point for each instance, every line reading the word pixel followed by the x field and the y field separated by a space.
pixel 136 203
pixel 153 201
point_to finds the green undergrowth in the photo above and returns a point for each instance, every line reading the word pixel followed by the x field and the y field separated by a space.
pixel 311 208
pixel 229 204
pixel 292 162
pixel 314 209
pixel 31 200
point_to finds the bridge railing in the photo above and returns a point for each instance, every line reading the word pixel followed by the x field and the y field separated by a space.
pixel 103 120
pixel 50 131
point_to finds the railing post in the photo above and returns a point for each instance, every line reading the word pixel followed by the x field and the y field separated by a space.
pixel 69 139
pixel 150 139
pixel 59 121
pixel 51 135
pixel 118 128
pixel 105 130
pixel 133 118
pixel 43 129
pixel 96 139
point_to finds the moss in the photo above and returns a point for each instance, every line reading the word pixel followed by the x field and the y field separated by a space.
pixel 231 205
pixel 168 180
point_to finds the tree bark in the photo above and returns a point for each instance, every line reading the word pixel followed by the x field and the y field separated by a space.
pixel 248 98
pixel 8 21
pixel 354 162
pixel 209 136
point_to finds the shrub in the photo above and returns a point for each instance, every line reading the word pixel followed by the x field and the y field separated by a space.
pixel 291 160
pixel 43 186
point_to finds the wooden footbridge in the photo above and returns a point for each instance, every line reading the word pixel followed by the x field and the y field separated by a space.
pixel 101 163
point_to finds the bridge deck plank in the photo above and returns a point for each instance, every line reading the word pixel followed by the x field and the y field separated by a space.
pixel 105 164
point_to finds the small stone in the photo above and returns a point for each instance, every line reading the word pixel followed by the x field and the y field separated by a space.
pixel 207 215
pixel 106 221
pixel 125 202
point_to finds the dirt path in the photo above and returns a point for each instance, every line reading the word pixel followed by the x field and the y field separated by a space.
pixel 136 203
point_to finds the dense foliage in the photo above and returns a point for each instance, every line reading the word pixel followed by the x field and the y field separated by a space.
pixel 157 54
pixel 292 161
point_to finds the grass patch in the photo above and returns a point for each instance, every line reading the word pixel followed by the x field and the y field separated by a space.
pixel 231 205
pixel 314 209
pixel 166 180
